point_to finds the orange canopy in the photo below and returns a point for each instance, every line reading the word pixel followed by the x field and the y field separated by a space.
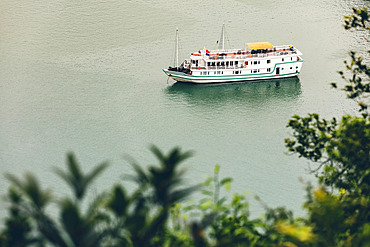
pixel 260 45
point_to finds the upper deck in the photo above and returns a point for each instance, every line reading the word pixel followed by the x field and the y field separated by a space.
pixel 245 53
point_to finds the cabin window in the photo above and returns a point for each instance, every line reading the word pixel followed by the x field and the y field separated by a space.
pixel 296 67
pixel 222 63
pixel 231 63
pixel 227 63
pixel 268 69
pixel 259 62
pixel 291 58
pixel 213 63
pixel 209 64
pixel 237 72
pixel 290 67
pixel 255 62
pixel 236 63
pixel 218 63
pixel 222 72
pixel 258 70
pixel 282 59
pixel 268 61
pixel 255 71
pixel 214 72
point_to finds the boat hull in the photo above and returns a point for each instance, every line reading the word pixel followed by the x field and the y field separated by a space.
pixel 205 79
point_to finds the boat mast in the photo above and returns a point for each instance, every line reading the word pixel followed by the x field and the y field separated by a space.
pixel 223 36
pixel 177 48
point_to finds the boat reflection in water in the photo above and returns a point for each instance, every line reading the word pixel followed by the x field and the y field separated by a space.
pixel 256 93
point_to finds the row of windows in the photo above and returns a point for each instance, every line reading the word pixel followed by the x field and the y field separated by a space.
pixel 238 71
pixel 214 72
pixel 232 63
pixel 227 63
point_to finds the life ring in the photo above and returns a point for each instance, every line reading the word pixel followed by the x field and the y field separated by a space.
pixel 199 67
pixel 250 55
pixel 245 66
pixel 232 56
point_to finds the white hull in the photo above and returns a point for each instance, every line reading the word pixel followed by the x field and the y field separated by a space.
pixel 285 70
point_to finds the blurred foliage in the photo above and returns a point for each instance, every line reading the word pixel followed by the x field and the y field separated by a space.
pixel 338 211
pixel 154 214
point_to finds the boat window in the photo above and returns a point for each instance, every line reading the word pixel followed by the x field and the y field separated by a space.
pixel 231 63
pixel 296 67
pixel 291 58
pixel 282 59
pixel 268 69
pixel 268 61
pixel 259 62
pixel 290 67
pixel 237 72
pixel 236 62
pixel 222 63
pixel 214 63
pixel 209 63
pixel 255 62
pixel 258 70
pixel 218 63
pixel 227 63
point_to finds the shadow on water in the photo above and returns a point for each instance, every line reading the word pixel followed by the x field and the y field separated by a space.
pixel 256 92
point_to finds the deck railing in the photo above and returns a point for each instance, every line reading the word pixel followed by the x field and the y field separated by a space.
pixel 248 55
pixel 217 68
pixel 244 53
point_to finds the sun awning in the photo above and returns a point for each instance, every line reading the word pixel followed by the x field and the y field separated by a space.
pixel 260 45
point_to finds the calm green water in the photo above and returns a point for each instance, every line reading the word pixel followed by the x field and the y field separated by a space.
pixel 86 76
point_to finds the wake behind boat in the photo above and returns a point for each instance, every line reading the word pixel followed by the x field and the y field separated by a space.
pixel 257 61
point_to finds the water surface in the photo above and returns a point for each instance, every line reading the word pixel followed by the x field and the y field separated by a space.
pixel 86 76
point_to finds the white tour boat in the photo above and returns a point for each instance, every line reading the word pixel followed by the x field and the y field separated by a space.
pixel 256 61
